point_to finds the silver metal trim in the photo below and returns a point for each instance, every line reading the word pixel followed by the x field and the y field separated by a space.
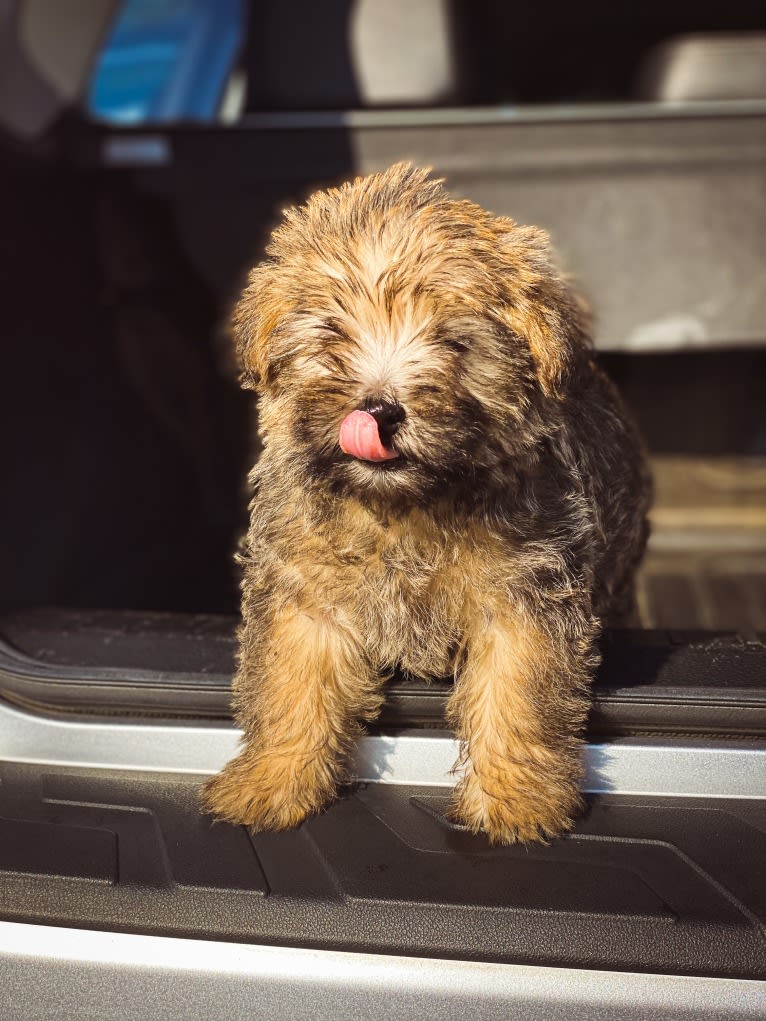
pixel 73 973
pixel 137 151
pixel 153 148
pixel 499 114
pixel 650 766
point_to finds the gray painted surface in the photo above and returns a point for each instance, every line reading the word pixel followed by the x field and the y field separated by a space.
pixel 51 973
pixel 661 223
pixel 651 766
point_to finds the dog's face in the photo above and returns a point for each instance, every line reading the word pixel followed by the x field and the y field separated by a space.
pixel 402 342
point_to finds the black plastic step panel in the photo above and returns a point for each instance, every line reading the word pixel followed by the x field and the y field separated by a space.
pixel 658 884
pixel 181 665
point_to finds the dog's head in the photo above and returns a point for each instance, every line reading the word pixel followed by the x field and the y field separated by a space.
pixel 402 341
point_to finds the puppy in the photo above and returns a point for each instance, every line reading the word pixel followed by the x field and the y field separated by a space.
pixel 448 484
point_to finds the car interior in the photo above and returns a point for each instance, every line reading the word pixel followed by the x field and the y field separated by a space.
pixel 147 148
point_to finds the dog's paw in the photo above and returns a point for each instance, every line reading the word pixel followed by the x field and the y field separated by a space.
pixel 509 809
pixel 268 791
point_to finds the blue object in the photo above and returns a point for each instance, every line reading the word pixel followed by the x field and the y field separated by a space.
pixel 167 60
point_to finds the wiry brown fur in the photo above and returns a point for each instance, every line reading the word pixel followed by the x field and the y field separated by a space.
pixel 493 548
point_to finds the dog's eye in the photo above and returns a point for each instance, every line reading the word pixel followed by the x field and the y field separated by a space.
pixel 331 362
pixel 457 344
pixel 331 326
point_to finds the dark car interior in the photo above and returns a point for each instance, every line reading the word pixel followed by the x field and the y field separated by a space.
pixel 134 197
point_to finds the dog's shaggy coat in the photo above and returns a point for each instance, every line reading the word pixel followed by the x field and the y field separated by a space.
pixel 492 547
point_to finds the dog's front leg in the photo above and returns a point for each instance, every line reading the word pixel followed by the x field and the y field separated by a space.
pixel 518 707
pixel 300 691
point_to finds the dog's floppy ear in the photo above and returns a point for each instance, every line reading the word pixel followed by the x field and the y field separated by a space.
pixel 256 315
pixel 543 307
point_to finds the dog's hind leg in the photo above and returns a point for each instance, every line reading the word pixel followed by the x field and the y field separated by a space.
pixel 518 707
pixel 299 695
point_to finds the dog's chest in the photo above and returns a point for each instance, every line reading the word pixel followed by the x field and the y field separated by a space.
pixel 408 590
pixel 409 606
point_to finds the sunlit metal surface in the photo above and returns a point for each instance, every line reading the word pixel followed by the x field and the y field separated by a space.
pixel 694 768
pixel 57 972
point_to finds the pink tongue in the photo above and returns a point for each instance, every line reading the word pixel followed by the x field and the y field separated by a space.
pixel 359 437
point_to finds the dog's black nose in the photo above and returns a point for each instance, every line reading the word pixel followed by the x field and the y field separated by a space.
pixel 388 414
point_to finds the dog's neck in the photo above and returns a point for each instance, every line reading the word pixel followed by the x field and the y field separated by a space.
pixel 449 510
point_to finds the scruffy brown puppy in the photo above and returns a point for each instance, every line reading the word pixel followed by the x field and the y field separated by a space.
pixel 448 484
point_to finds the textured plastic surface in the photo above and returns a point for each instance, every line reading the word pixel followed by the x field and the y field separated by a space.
pixel 642 884
pixel 660 216
pixel 717 66
pixel 176 664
